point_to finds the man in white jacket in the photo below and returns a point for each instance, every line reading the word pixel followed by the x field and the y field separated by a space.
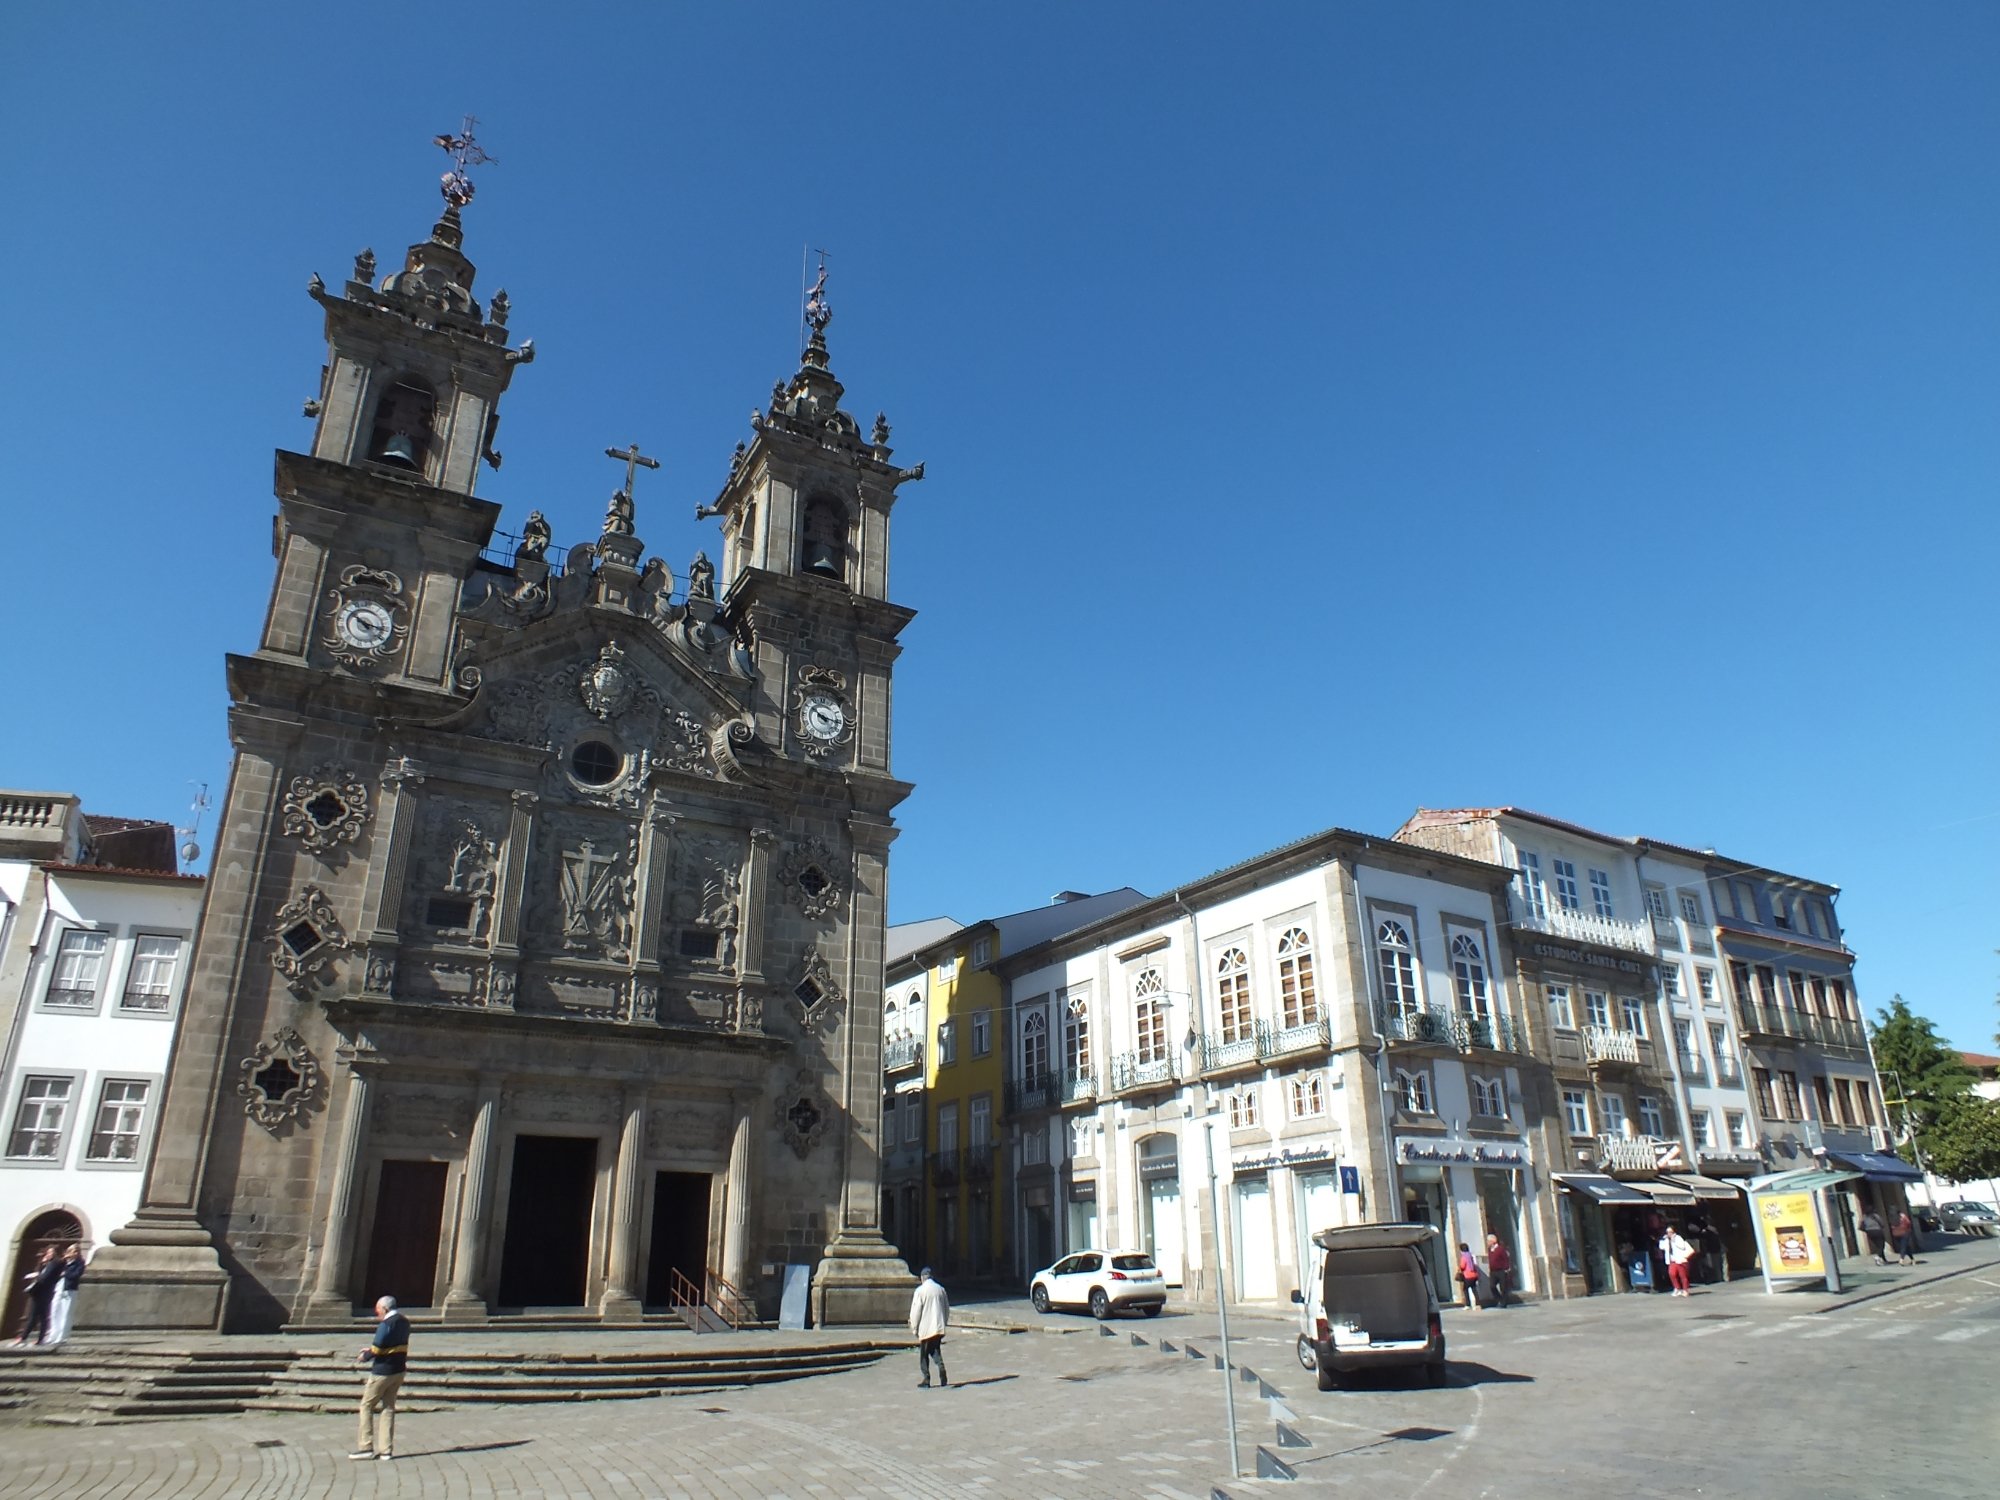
pixel 930 1311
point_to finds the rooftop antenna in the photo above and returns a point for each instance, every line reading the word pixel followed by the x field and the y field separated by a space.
pixel 190 849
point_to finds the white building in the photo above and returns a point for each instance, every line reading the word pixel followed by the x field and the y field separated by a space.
pixel 95 928
pixel 1339 1010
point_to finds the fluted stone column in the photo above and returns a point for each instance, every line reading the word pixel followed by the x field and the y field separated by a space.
pixel 465 1298
pixel 621 1284
pixel 333 1294
pixel 736 1222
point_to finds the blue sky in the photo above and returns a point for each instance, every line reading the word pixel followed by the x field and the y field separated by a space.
pixel 1328 408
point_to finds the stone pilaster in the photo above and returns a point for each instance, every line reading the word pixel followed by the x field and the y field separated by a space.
pixel 333 1293
pixel 736 1263
pixel 656 867
pixel 622 1292
pixel 501 978
pixel 466 1298
pixel 389 858
pixel 756 904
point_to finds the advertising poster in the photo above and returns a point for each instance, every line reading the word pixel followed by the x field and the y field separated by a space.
pixel 1790 1232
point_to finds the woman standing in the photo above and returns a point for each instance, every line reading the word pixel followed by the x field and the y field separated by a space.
pixel 1468 1275
pixel 1905 1231
pixel 1677 1250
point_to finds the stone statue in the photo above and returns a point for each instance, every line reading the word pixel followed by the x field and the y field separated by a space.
pixel 701 577
pixel 364 268
pixel 618 519
pixel 534 539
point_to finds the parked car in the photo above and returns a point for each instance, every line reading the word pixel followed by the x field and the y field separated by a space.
pixel 1370 1305
pixel 1105 1281
pixel 1968 1217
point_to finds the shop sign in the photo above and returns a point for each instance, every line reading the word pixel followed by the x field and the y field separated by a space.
pixel 1589 958
pixel 1289 1156
pixel 1788 1230
pixel 1463 1153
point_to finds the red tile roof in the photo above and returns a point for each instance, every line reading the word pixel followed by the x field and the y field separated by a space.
pixel 119 872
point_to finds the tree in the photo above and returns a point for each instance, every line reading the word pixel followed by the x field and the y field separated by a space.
pixel 1921 1072
pixel 1964 1144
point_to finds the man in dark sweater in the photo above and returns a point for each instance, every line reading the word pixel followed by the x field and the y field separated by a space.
pixel 386 1358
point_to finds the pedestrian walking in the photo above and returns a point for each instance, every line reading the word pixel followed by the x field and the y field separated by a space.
pixel 1499 1270
pixel 70 1274
pixel 1468 1275
pixel 1877 1237
pixel 42 1282
pixel 930 1311
pixel 1678 1251
pixel 387 1359
pixel 1905 1231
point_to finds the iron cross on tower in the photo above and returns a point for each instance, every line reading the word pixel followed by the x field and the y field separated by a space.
pixel 633 459
pixel 464 151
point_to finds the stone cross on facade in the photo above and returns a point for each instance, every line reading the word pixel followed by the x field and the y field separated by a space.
pixel 632 458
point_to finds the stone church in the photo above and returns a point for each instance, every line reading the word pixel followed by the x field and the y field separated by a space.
pixel 543 958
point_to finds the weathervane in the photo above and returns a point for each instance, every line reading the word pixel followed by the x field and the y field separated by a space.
pixel 818 312
pixel 465 152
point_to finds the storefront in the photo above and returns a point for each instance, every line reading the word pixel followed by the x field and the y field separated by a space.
pixel 1597 1215
pixel 1469 1189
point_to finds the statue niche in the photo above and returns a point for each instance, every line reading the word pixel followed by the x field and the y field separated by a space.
pixel 706 902
pixel 457 874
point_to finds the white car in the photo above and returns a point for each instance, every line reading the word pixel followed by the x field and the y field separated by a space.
pixel 1105 1281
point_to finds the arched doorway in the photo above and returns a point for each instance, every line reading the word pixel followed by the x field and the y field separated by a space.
pixel 55 1228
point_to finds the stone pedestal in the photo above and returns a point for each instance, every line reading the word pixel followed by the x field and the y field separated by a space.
pixel 159 1272
pixel 863 1279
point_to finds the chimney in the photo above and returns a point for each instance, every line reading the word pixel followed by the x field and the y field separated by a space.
pixel 1063 898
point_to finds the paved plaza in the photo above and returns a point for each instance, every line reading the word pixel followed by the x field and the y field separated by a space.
pixel 1886 1392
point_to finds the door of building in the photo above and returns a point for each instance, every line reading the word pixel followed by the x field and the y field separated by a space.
pixel 680 1233
pixel 1163 1228
pixel 54 1230
pixel 544 1259
pixel 403 1245
pixel 1319 1208
pixel 1503 1217
pixel 1256 1247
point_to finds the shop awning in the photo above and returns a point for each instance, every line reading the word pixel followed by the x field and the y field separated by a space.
pixel 1877 1166
pixel 1807 1181
pixel 1603 1189
pixel 1660 1190
pixel 1702 1187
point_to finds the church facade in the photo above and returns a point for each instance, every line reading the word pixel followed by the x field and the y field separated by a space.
pixel 543 957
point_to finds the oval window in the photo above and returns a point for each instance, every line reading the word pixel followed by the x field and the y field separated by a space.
pixel 593 762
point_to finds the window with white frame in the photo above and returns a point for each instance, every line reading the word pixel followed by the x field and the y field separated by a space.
pixel 1034 1147
pixel 1632 1011
pixel 979 1122
pixel 947 1137
pixel 982 1032
pixel 41 1118
pixel 1725 1058
pixel 1083 1136
pixel 150 985
pixel 1600 893
pixel 1076 1032
pixel 121 1120
pixel 1533 893
pixel 1232 993
pixel 1396 960
pixel 1489 1096
pixel 1691 909
pixel 890 1018
pixel 1561 1013
pixel 1684 1045
pixel 79 969
pixel 1566 891
pixel 1243 1107
pixel 1413 1089
pixel 913 1119
pixel 1739 1130
pixel 1149 1018
pixel 1702 1126
pixel 1596 1009
pixel 947 1043
pixel 1576 1111
pixel 1614 1114
pixel 1656 902
pixel 1307 1093
pixel 1704 981
pixel 982 951
pixel 1670 980
pixel 1468 973
pixel 1295 977
pixel 1651 1121
pixel 1034 1045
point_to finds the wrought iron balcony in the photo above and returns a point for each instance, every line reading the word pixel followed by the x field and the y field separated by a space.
pixel 900 1052
pixel 1418 1026
pixel 1607 1044
pixel 1693 1068
pixel 944 1167
pixel 1037 1090
pixel 1219 1056
pixel 1079 1085
pixel 1129 1070
pixel 1285 1041
pixel 1495 1033
pixel 1580 926
pixel 1726 1070
pixel 978 1163
pixel 1756 1018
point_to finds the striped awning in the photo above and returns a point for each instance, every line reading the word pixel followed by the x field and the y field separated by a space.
pixel 1702 1187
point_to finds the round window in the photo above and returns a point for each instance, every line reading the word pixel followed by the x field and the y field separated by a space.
pixel 593 762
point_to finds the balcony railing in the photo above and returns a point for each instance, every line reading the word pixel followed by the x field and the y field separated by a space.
pixel 1665 932
pixel 1218 1055
pixel 1283 1041
pixel 1079 1085
pixel 1461 1032
pixel 900 1052
pixel 1581 927
pixel 1038 1090
pixel 944 1167
pixel 1693 1069
pixel 1760 1019
pixel 979 1163
pixel 1726 1070
pixel 1639 1153
pixel 1607 1044
pixel 1129 1070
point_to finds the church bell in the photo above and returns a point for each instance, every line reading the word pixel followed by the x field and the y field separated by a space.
pixel 823 558
pixel 399 450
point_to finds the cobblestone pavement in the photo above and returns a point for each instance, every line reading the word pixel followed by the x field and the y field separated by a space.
pixel 1727 1393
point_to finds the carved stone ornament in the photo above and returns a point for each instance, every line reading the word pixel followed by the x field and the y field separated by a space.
pixel 595 891
pixel 367 617
pixel 607 687
pixel 820 1000
pixel 306 934
pixel 823 713
pixel 810 877
pixel 804 1111
pixel 280 1080
pixel 325 808
pixel 641 1003
pixel 380 976
pixel 500 982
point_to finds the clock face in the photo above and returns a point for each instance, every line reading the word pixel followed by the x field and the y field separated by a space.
pixel 822 716
pixel 365 624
